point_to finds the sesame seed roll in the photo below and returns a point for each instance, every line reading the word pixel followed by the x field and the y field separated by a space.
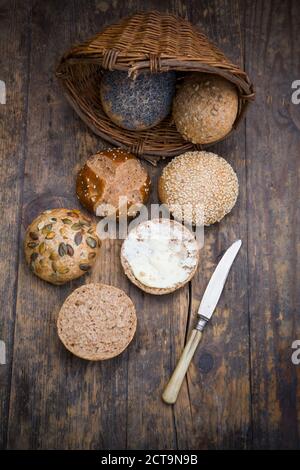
pixel 199 186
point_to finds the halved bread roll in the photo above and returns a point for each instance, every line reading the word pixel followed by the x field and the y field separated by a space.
pixel 159 256
pixel 96 322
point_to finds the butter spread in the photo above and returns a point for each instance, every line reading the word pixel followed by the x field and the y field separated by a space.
pixel 161 254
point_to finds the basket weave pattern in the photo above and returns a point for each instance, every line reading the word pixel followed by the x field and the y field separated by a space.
pixel 146 41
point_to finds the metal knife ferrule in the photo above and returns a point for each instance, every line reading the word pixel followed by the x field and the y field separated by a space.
pixel 201 323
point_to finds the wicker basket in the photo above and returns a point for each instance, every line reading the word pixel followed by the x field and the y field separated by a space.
pixel 146 41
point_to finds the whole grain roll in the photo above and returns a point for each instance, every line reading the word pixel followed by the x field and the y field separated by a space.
pixel 108 176
pixel 199 186
pixel 160 256
pixel 61 245
pixel 205 108
pixel 96 322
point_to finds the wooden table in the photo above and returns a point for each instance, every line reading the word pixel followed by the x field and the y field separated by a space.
pixel 242 390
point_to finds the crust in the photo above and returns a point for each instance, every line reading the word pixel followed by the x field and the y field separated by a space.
pixel 153 290
pixel 205 108
pixel 109 175
pixel 197 170
pixel 57 251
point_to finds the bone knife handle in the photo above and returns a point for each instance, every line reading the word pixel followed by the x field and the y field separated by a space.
pixel 172 389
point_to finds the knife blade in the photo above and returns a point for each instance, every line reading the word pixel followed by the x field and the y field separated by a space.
pixel 217 281
pixel 207 307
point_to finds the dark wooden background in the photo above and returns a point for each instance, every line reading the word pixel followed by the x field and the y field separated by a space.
pixel 242 391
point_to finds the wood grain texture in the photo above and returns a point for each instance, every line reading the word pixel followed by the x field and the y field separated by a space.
pixel 37 371
pixel 218 380
pixel 14 57
pixel 272 148
pixel 241 390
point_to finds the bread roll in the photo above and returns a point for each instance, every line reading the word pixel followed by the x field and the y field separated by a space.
pixel 140 103
pixel 199 186
pixel 96 322
pixel 108 176
pixel 61 245
pixel 159 256
pixel 205 108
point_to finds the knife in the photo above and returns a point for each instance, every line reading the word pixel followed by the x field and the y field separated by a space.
pixel 207 306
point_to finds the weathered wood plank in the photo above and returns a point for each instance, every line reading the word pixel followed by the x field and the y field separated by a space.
pixel 218 379
pixel 14 56
pixel 273 141
pixel 162 321
pixel 57 400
